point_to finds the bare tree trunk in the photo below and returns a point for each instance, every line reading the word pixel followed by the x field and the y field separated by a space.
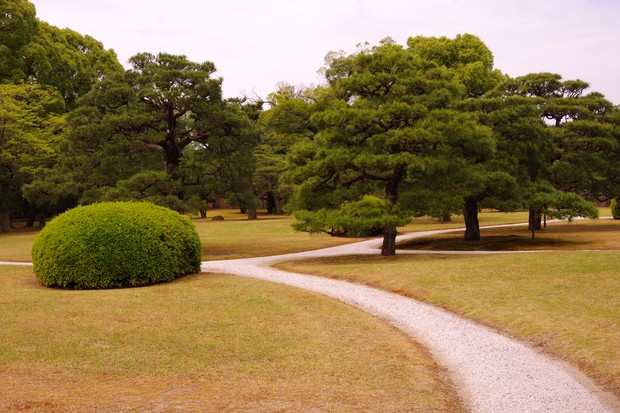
pixel 252 214
pixel 391 194
pixel 42 220
pixel 5 222
pixel 278 205
pixel 472 225
pixel 389 242
pixel 534 222
pixel 32 216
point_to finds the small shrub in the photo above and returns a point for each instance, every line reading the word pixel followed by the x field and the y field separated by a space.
pixel 615 208
pixel 115 244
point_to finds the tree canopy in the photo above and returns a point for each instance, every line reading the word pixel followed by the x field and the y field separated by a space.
pixel 390 125
pixel 426 128
pixel 159 131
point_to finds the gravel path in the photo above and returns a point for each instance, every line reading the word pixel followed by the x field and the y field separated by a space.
pixel 493 373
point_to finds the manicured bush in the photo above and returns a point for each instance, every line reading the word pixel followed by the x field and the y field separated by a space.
pixel 115 244
pixel 615 208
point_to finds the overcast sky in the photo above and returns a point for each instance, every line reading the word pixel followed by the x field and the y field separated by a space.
pixel 256 44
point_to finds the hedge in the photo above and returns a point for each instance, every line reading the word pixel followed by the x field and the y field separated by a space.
pixel 115 244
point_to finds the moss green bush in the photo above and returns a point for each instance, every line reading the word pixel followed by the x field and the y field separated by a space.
pixel 115 244
pixel 615 208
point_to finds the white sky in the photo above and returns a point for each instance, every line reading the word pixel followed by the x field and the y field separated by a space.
pixel 256 44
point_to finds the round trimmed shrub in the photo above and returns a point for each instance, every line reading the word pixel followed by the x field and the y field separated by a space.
pixel 615 208
pixel 115 244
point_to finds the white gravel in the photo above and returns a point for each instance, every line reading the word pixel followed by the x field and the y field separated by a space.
pixel 27 264
pixel 493 373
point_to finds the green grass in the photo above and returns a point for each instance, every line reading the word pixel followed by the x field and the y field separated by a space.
pixel 566 302
pixel 235 237
pixel 188 345
pixel 266 236
pixel 204 343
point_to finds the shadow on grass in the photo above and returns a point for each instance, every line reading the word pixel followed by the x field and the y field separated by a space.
pixel 579 235
pixel 490 243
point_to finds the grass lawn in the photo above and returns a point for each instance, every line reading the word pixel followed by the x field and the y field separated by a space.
pixel 204 343
pixel 223 343
pixel 235 237
pixel 565 302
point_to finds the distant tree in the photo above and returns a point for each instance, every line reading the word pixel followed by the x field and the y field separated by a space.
pixel 69 61
pixel 33 51
pixel 524 149
pixel 284 124
pixel 49 59
pixel 471 61
pixel 388 123
pixel 582 134
pixel 31 127
pixel 18 26
pixel 164 115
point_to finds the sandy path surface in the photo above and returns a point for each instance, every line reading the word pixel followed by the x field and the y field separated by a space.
pixel 493 373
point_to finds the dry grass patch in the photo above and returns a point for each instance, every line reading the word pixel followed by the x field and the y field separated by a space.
pixel 266 236
pixel 236 237
pixel 16 246
pixel 565 302
pixel 204 343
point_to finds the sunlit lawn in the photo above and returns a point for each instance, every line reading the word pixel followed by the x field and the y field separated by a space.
pixel 221 343
pixel 567 302
pixel 235 237
pixel 205 343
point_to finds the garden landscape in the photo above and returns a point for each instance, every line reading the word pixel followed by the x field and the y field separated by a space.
pixel 420 232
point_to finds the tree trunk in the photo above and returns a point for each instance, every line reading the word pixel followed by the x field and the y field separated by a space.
pixel 534 221
pixel 446 217
pixel 5 222
pixel 42 220
pixel 278 204
pixel 472 225
pixel 203 213
pixel 252 214
pixel 32 216
pixel 389 242
pixel 391 194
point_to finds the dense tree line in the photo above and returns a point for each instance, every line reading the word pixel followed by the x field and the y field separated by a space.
pixel 76 127
pixel 432 128
pixel 396 131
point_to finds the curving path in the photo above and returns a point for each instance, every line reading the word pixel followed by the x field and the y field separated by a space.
pixel 492 372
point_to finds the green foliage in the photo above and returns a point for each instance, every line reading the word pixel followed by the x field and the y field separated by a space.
pixel 558 204
pixel 159 132
pixel 18 25
pixel 115 244
pixel 31 126
pixel 615 208
pixel 36 52
pixel 391 125
pixel 466 53
pixel 365 217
